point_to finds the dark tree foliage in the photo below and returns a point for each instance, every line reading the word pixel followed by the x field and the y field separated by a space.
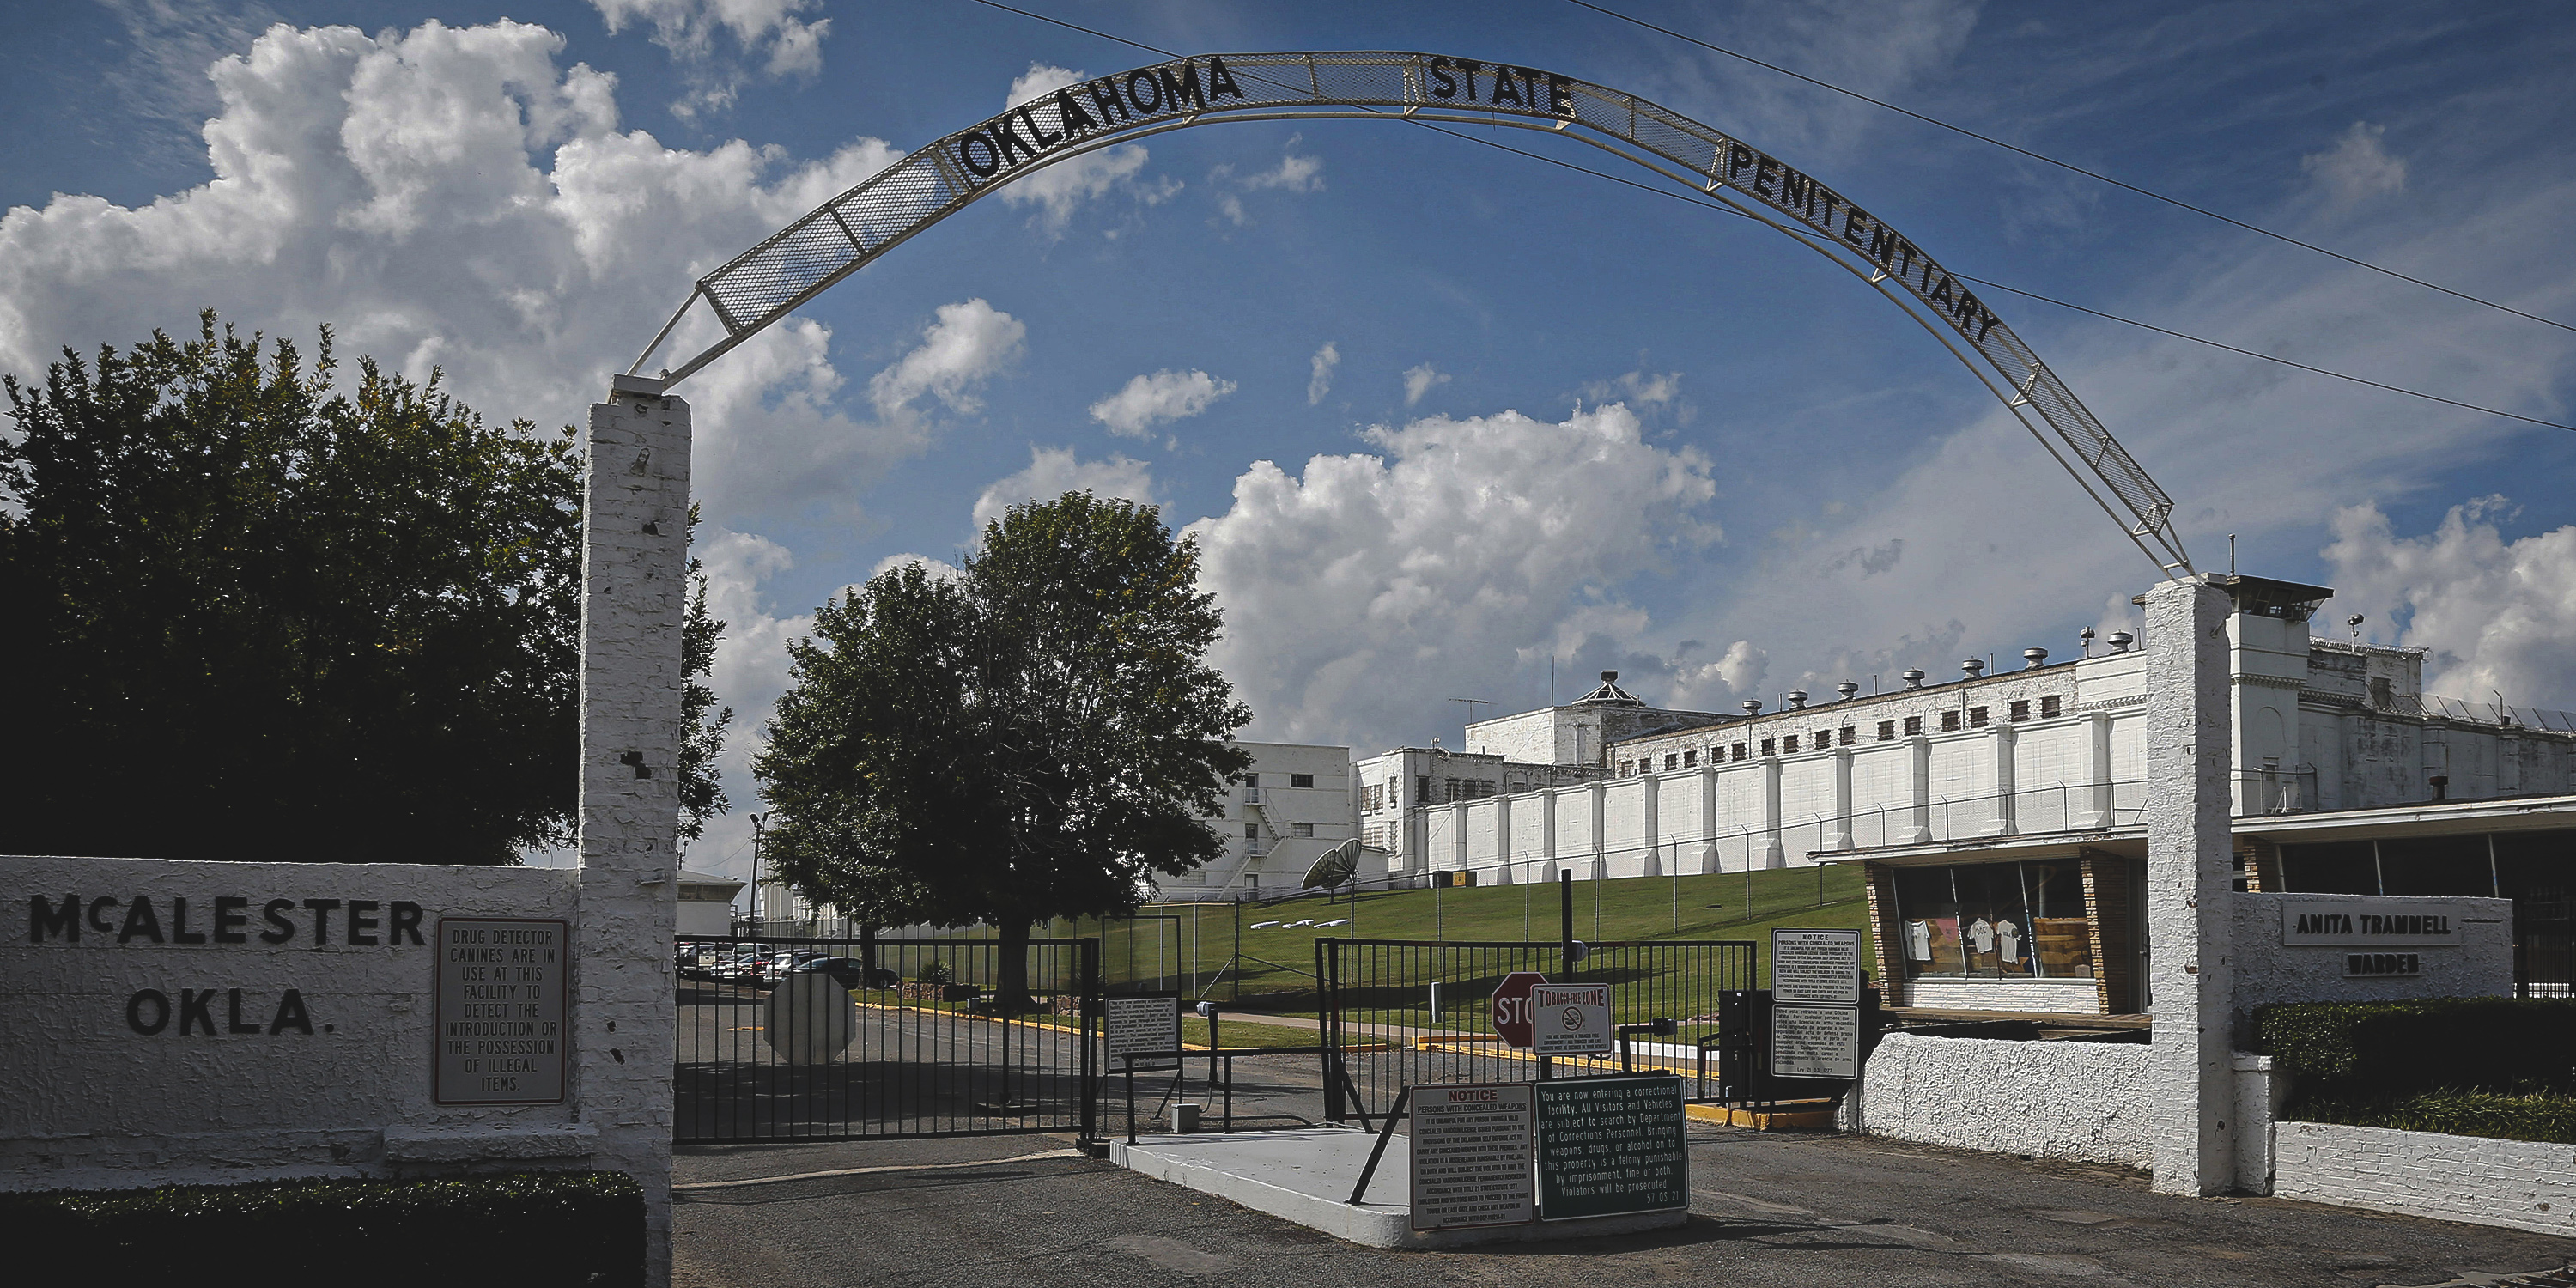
pixel 702 722
pixel 251 618
pixel 1036 738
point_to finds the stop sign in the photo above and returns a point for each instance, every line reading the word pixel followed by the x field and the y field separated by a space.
pixel 1512 1006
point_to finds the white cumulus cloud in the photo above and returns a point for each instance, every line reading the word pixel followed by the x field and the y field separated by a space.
pixel 968 343
pixel 771 34
pixel 455 197
pixel 1054 471
pixel 1319 378
pixel 1462 550
pixel 1421 380
pixel 2496 614
pixel 1152 400
pixel 1066 186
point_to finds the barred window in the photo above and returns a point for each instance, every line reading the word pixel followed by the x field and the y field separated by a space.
pixel 1949 721
pixel 1789 745
pixel 1738 751
pixel 1887 731
pixel 1770 747
pixel 1301 780
pixel 1976 717
pixel 1844 736
pixel 1913 726
pixel 1672 762
pixel 2051 707
pixel 2020 711
pixel 1690 759
pixel 1627 768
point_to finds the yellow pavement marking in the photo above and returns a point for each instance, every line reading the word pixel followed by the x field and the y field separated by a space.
pixel 865 1171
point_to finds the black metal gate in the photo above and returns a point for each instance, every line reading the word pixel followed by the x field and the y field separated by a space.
pixel 1401 1012
pixel 807 1038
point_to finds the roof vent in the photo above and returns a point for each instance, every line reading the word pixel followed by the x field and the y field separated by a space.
pixel 1847 689
pixel 1913 679
pixel 1752 706
pixel 2034 658
pixel 2084 639
pixel 2121 640
pixel 1609 677
pixel 1797 698
pixel 1973 667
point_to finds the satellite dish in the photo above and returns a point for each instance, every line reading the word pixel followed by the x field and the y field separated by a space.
pixel 1336 867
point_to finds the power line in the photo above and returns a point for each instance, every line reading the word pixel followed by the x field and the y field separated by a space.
pixel 2068 166
pixel 1694 200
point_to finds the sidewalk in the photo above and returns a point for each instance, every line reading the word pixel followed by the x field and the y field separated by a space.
pixel 1768 1209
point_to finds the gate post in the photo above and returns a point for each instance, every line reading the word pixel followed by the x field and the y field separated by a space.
pixel 1089 1006
pixel 1328 1015
pixel 2191 1084
pixel 634 570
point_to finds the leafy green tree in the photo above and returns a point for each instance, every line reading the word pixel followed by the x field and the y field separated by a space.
pixel 254 618
pixel 702 722
pixel 1034 738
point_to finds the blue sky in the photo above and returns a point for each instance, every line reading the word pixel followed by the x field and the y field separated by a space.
pixel 1563 422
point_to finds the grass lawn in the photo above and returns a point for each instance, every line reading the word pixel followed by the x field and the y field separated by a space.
pixel 1191 948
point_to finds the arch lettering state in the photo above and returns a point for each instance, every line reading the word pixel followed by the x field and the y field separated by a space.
pixel 842 236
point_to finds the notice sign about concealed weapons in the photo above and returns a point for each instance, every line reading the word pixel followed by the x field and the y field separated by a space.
pixel 500 1011
pixel 1470 1149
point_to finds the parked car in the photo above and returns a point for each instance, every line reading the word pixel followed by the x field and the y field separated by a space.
pixel 849 972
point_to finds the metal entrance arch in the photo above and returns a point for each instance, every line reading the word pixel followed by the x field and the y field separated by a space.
pixel 801 261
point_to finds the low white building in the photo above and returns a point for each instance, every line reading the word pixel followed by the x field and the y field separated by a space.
pixel 706 903
pixel 2013 802
pixel 1282 814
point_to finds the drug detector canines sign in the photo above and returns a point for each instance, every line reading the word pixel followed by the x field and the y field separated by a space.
pixel 500 1011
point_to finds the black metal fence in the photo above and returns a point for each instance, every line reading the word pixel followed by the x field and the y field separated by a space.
pixel 1399 1012
pixel 822 1038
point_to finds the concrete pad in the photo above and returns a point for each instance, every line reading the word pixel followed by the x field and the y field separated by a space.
pixel 1306 1176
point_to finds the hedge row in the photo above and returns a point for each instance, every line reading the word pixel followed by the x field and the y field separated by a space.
pixel 2538 1115
pixel 530 1228
pixel 2378 1050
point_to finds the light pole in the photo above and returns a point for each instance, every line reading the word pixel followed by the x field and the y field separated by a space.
pixel 755 874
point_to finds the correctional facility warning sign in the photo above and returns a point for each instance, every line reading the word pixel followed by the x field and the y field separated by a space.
pixel 1470 1151
pixel 500 1016
pixel 1609 1146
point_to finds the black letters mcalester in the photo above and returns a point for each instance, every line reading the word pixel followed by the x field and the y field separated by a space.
pixel 359 924
pixel 1019 137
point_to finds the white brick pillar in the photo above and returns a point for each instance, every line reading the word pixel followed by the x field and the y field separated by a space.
pixel 1768 853
pixel 2191 1084
pixel 1654 821
pixel 1600 821
pixel 1709 860
pixel 634 568
pixel 1918 774
pixel 2097 772
pixel 2006 820
pixel 1547 824
pixel 1503 828
pixel 1841 837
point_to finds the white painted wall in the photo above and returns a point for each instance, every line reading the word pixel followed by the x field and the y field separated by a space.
pixel 91 1102
pixel 2517 1184
pixel 2268 970
pixel 2072 1100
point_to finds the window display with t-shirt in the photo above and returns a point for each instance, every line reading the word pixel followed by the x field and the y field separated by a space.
pixel 1994 921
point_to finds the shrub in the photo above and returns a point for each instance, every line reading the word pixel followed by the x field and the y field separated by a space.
pixel 935 971
pixel 2380 1049
pixel 2535 1115
pixel 533 1228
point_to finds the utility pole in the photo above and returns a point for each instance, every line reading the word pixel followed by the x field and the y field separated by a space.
pixel 755 873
